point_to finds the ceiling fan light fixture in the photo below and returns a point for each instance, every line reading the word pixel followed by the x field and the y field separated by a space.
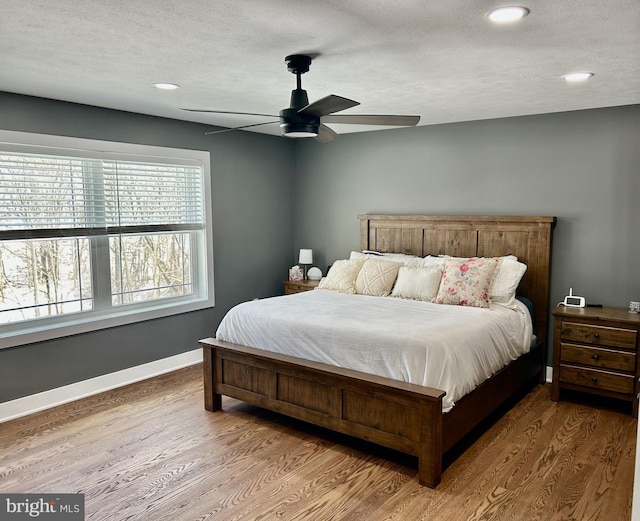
pixel 297 130
pixel 507 14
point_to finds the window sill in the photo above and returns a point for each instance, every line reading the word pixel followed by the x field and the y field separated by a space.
pixel 78 324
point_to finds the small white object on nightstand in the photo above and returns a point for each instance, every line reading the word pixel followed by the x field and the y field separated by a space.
pixel 572 301
pixel 314 273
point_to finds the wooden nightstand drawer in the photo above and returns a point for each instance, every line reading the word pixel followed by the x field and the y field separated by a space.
pixel 597 357
pixel 291 287
pixel 296 288
pixel 594 379
pixel 609 336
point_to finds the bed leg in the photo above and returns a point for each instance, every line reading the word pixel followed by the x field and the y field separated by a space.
pixel 212 400
pixel 430 456
pixel 429 476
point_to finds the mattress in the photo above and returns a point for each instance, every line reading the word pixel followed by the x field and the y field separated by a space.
pixel 451 348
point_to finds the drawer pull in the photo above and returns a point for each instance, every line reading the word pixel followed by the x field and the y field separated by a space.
pixel 596 336
pixel 596 357
pixel 594 379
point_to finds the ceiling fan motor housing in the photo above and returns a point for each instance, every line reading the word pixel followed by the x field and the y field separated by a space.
pixel 294 124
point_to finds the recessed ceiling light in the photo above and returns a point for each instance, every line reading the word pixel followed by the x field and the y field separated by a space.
pixel 508 14
pixel 577 77
pixel 166 86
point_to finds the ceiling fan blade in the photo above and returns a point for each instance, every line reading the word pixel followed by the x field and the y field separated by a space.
pixel 229 112
pixel 328 105
pixel 366 119
pixel 325 134
pixel 239 128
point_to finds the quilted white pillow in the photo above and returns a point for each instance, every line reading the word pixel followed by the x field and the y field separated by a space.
pixel 506 278
pixel 342 276
pixel 376 277
pixel 417 283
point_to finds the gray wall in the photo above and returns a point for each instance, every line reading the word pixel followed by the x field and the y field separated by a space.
pixel 582 167
pixel 252 213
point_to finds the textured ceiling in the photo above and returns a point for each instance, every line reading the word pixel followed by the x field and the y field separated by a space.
pixel 442 60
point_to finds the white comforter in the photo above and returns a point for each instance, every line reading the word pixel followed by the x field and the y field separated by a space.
pixel 452 348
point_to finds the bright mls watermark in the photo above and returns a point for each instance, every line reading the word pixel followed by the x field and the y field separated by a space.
pixel 53 507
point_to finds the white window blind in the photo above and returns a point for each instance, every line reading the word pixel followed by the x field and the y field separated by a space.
pixel 95 234
pixel 55 196
pixel 142 196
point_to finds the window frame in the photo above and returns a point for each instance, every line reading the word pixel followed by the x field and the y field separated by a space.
pixel 48 328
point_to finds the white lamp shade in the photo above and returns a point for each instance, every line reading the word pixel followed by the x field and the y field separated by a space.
pixel 306 257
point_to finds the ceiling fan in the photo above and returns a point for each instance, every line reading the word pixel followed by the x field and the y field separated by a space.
pixel 304 119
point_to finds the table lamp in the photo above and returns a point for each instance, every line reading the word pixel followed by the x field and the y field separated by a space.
pixel 306 259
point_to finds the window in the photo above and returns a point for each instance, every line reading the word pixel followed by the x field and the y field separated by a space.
pixel 95 234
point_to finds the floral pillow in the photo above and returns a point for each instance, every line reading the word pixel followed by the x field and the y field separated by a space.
pixel 466 282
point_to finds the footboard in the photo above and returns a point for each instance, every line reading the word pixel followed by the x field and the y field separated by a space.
pixel 393 414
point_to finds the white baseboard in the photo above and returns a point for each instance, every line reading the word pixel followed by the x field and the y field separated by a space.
pixel 61 395
pixel 68 393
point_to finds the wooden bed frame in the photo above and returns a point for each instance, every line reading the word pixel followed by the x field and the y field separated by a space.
pixel 391 413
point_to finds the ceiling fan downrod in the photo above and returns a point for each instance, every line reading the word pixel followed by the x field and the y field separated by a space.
pixel 298 64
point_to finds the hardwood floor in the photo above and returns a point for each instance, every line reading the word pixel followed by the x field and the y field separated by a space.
pixel 149 451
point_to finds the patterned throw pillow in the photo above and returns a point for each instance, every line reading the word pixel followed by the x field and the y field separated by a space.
pixel 466 282
pixel 342 276
pixel 376 277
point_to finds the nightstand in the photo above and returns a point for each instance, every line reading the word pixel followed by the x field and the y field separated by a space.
pixel 595 350
pixel 297 287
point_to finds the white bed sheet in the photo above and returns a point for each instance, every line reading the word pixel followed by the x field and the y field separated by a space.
pixel 452 348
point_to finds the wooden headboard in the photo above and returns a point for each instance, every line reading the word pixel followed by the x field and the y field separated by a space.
pixel 529 238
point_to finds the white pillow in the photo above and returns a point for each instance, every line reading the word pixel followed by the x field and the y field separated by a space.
pixel 506 278
pixel 342 276
pixel 376 277
pixel 355 255
pixel 407 260
pixel 417 283
pixel 431 261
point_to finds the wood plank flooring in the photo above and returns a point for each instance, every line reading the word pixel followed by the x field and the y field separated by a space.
pixel 149 451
